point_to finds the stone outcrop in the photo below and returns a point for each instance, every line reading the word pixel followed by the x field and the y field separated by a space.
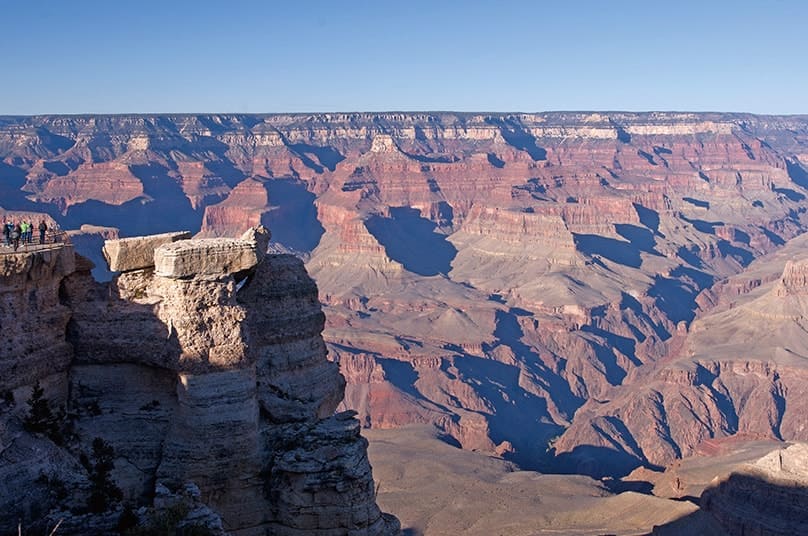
pixel 33 319
pixel 765 498
pixel 211 256
pixel 325 481
pixel 205 367
pixel 795 279
pixel 137 253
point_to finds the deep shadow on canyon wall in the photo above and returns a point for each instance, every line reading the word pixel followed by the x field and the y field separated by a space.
pixel 745 504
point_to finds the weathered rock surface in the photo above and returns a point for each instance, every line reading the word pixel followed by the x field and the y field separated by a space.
pixel 33 319
pixel 136 253
pixel 211 256
pixel 283 324
pixel 322 485
pixel 766 498
pixel 211 377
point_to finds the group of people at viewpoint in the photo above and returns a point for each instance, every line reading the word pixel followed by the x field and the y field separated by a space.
pixel 22 232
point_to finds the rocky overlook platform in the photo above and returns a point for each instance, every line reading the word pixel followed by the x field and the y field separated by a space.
pixel 202 366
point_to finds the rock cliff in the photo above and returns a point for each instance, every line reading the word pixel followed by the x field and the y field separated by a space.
pixel 506 277
pixel 766 497
pixel 200 364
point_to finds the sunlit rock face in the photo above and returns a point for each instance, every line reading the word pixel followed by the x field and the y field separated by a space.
pixel 766 497
pixel 738 372
pixel 204 367
pixel 32 345
pixel 510 278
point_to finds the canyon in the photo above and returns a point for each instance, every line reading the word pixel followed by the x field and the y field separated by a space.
pixel 578 292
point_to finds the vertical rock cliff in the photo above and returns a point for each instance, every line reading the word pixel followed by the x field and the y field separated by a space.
pixel 202 365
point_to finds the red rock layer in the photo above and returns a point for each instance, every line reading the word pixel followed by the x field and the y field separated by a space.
pixel 109 182
pixel 544 262
pixel 241 209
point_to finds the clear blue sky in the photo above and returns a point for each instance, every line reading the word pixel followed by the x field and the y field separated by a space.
pixel 116 56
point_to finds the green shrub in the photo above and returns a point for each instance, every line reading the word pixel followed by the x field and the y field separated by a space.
pixel 55 485
pixel 103 491
pixel 165 523
pixel 42 418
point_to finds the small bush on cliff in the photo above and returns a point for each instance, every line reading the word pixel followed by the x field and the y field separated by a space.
pixel 128 519
pixel 57 488
pixel 103 491
pixel 169 521
pixel 42 418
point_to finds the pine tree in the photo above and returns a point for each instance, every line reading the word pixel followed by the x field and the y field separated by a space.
pixel 103 490
pixel 41 418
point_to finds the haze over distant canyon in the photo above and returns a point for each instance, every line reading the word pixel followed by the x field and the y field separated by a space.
pixel 589 293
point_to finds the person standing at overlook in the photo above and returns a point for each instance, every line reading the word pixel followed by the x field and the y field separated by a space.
pixel 15 235
pixel 42 228
pixel 7 232
pixel 23 232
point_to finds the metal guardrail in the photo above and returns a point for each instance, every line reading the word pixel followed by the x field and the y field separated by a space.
pixel 52 238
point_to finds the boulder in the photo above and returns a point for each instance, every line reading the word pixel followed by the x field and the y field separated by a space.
pixel 136 253
pixel 205 257
pixel 261 236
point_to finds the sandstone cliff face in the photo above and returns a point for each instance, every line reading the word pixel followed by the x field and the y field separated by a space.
pixel 34 320
pixel 204 364
pixel 499 275
pixel 765 498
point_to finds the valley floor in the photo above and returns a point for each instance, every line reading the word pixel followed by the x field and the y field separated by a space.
pixel 434 489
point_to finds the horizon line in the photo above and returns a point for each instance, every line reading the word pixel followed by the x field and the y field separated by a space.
pixel 393 112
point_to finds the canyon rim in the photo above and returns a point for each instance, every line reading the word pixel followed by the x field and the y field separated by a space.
pixel 592 293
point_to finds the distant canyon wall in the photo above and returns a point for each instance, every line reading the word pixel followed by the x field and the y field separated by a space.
pixel 505 277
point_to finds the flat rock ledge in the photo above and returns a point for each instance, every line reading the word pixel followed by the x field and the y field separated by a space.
pixel 137 253
pixel 205 257
pixel 789 464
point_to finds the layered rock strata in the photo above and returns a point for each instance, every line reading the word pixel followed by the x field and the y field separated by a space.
pixel 137 253
pixel 740 371
pixel 499 275
pixel 33 318
pixel 205 365
pixel 766 498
